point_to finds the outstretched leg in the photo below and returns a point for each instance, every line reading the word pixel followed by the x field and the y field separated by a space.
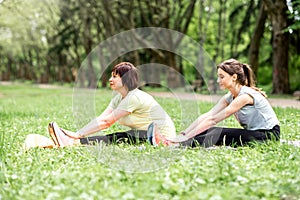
pixel 130 137
pixel 231 137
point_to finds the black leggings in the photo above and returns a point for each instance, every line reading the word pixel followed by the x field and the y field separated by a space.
pixel 130 137
pixel 232 137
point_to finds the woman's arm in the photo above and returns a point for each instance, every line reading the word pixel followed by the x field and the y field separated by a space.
pixel 106 112
pixel 218 113
pixel 105 120
pixel 219 106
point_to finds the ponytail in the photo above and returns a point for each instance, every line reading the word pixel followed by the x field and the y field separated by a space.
pixel 250 82
pixel 248 75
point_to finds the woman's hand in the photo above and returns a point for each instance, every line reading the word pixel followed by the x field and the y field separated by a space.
pixel 178 138
pixel 71 134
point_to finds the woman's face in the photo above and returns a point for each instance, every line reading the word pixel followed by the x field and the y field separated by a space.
pixel 225 80
pixel 115 81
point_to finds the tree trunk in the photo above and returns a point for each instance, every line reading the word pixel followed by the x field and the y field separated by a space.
pixel 212 85
pixel 255 40
pixel 92 80
pixel 202 38
pixel 28 66
pixel 173 77
pixel 277 11
pixel 5 76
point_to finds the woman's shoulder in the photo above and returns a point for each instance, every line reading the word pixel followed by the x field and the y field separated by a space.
pixel 250 91
pixel 246 89
pixel 228 97
pixel 139 93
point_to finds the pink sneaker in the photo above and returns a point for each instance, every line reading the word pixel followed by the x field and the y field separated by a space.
pixel 155 138
pixel 160 139
pixel 59 138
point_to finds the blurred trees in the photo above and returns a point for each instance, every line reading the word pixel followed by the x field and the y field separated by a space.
pixel 48 41
pixel 278 14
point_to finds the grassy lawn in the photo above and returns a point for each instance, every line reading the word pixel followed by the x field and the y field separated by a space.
pixel 135 172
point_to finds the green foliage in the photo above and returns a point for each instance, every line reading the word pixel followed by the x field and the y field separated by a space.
pixel 294 15
pixel 261 171
pixel 264 75
pixel 47 41
pixel 23 28
pixel 294 72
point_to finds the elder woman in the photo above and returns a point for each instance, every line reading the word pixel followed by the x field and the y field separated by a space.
pixel 131 107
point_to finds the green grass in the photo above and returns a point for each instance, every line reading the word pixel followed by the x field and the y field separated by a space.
pixel 135 172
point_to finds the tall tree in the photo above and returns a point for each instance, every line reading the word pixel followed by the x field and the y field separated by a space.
pixel 203 21
pixel 177 16
pixel 240 18
pixel 278 13
pixel 253 54
pixel 220 36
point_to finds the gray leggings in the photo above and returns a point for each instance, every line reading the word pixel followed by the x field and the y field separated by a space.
pixel 232 137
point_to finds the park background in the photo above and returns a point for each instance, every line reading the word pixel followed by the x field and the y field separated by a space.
pixel 42 47
pixel 47 41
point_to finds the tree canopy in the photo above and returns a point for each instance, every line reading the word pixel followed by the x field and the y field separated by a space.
pixel 47 41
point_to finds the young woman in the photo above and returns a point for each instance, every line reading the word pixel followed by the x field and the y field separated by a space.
pixel 131 107
pixel 246 102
